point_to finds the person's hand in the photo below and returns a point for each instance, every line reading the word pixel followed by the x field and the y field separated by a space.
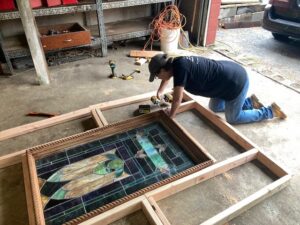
pixel 168 112
pixel 159 94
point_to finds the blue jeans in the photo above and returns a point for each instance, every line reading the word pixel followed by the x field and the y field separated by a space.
pixel 240 109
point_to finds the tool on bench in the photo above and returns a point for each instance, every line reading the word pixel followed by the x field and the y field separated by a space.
pixel 130 76
pixel 112 66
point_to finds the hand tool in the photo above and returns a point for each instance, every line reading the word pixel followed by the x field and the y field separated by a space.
pixel 129 77
pixel 155 100
pixel 112 66
pixel 168 98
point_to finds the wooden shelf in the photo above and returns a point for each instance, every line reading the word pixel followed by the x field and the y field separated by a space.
pixel 123 30
pixel 129 3
pixel 84 6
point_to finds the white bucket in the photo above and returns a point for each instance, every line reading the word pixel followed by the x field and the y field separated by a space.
pixel 169 40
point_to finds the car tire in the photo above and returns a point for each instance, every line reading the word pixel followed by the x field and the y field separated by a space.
pixel 280 37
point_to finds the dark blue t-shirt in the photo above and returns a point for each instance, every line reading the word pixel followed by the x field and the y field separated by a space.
pixel 209 78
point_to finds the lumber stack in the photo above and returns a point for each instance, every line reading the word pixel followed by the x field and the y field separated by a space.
pixel 241 13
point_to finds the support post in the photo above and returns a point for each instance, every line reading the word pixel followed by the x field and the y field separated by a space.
pixel 101 27
pixel 34 42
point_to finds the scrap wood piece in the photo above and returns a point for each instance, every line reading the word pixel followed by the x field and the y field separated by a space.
pixel 145 54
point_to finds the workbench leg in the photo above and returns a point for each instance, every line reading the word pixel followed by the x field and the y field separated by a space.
pixel 101 25
pixel 9 64
pixel 7 59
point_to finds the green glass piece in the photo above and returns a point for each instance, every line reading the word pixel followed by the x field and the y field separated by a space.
pixel 55 177
pixel 101 169
pixel 59 194
pixel 115 164
pixel 119 172
pixel 111 156
pixel 152 153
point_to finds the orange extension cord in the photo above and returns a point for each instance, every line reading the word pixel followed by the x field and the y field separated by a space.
pixel 170 18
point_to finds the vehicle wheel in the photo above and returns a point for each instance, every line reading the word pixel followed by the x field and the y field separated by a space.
pixel 280 37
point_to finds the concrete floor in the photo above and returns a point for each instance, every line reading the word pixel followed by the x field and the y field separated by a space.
pixel 83 83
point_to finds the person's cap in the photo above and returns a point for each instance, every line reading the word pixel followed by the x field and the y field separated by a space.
pixel 156 63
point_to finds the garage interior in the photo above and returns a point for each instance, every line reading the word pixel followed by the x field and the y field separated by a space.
pixel 65 81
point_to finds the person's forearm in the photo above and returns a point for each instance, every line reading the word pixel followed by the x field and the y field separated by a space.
pixel 174 107
pixel 162 86
pixel 177 99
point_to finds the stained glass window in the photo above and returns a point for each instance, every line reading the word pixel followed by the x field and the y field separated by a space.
pixel 80 179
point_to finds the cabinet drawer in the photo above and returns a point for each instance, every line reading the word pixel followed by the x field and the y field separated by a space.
pixel 64 36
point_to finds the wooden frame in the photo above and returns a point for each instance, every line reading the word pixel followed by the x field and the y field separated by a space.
pixel 191 147
pixel 252 152
pixel 219 168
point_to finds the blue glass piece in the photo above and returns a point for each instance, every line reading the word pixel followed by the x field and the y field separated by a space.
pixel 132 166
pixel 53 167
pixel 61 206
pixel 93 144
pixel 153 132
pixel 53 158
pixel 123 153
pixel 177 161
pixel 75 151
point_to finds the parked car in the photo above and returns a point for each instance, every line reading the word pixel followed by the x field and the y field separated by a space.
pixel 282 18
